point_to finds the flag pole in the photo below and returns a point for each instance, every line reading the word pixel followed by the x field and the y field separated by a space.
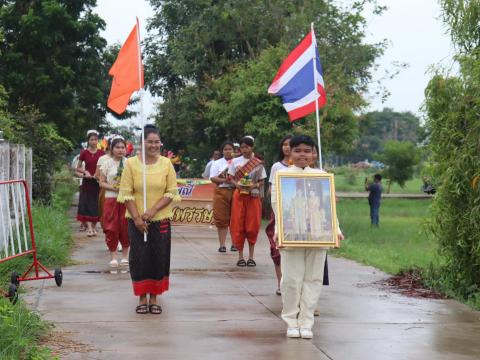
pixel 142 121
pixel 316 100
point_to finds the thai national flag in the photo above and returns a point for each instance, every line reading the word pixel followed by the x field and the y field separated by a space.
pixel 295 80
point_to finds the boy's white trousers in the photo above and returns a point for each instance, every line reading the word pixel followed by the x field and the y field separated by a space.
pixel 301 284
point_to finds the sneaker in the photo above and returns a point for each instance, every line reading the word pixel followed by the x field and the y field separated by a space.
pixel 293 332
pixel 306 333
pixel 316 312
pixel 113 263
pixel 119 247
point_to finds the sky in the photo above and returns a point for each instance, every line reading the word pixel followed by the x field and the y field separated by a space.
pixel 416 36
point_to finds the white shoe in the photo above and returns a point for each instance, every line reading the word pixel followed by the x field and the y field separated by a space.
pixel 119 247
pixel 293 332
pixel 124 262
pixel 306 333
pixel 113 263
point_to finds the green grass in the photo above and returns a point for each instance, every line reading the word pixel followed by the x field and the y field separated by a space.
pixel 52 234
pixel 396 245
pixel 350 179
pixel 20 329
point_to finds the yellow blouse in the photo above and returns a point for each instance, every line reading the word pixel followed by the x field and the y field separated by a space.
pixel 161 182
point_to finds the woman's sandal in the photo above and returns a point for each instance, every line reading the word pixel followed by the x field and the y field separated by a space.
pixel 251 263
pixel 241 263
pixel 155 309
pixel 141 309
pixel 222 249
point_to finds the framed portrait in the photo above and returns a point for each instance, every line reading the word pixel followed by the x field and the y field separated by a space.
pixel 306 210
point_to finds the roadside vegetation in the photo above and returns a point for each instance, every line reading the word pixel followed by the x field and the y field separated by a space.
pixel 21 328
pixel 399 243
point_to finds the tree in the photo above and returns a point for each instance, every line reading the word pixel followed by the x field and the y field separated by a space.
pixel 27 127
pixel 378 127
pixel 51 58
pixel 213 61
pixel 400 158
pixel 452 106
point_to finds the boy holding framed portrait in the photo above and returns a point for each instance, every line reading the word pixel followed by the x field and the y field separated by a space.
pixel 303 199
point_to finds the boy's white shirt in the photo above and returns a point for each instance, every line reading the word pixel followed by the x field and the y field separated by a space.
pixel 292 169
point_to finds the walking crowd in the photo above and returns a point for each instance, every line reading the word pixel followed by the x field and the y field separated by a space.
pixel 112 193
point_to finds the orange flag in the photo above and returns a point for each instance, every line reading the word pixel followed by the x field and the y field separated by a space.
pixel 127 76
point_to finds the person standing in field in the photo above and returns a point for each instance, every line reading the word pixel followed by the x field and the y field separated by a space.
pixel 374 198
pixel 89 191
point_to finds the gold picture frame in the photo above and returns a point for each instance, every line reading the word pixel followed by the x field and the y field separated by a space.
pixel 306 210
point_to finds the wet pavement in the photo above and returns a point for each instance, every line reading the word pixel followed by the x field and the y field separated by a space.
pixel 215 310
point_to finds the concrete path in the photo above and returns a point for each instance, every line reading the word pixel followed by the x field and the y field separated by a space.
pixel 215 310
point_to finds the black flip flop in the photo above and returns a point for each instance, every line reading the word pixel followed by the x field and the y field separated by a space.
pixel 233 248
pixel 141 309
pixel 251 263
pixel 222 249
pixel 155 309
pixel 241 263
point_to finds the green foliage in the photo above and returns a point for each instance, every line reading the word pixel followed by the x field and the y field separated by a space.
pixel 452 106
pixel 212 64
pixel 48 147
pixel 21 330
pixel 52 231
pixel 463 17
pixel 378 127
pixel 400 158
pixel 51 58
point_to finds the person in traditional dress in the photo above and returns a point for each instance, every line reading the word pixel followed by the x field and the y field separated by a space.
pixel 222 199
pixel 89 190
pixel 282 163
pixel 247 174
pixel 302 268
pixel 114 223
pixel 101 160
pixel 149 260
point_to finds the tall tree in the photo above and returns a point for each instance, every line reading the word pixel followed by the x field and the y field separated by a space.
pixel 378 127
pixel 212 62
pixel 51 58
pixel 452 107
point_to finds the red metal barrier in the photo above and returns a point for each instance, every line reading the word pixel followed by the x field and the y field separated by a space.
pixel 15 241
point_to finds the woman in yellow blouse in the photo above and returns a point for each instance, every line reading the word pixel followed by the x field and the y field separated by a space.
pixel 150 260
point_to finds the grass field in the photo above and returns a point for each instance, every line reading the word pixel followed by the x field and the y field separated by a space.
pixel 352 179
pixel 356 184
pixel 397 244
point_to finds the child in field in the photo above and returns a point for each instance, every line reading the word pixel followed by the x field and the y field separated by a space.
pixel 302 268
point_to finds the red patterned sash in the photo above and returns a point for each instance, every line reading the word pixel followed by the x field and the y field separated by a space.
pixel 247 168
